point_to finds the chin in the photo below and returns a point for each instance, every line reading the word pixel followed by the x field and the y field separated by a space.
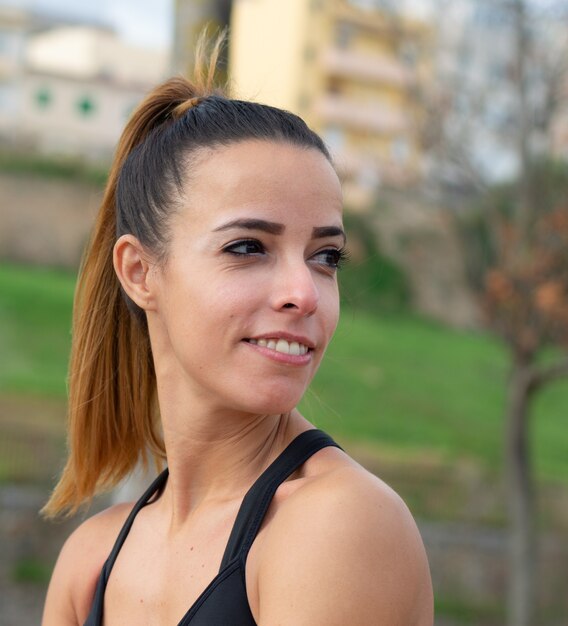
pixel 273 402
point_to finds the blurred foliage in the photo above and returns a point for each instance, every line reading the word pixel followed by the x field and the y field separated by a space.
pixel 527 302
pixel 524 293
pixel 31 571
pixel 480 225
pixel 468 610
pixel 31 163
pixel 370 281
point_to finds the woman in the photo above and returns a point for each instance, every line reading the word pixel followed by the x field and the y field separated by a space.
pixel 209 292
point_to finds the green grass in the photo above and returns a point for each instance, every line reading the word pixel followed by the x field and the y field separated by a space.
pixel 408 385
pixel 35 329
pixel 411 383
pixel 415 385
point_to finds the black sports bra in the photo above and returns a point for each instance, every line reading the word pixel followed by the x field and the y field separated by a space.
pixel 224 601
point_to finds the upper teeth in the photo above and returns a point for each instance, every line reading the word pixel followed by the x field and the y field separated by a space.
pixel 281 345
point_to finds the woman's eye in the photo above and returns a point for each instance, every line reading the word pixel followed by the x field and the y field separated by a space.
pixel 331 257
pixel 245 247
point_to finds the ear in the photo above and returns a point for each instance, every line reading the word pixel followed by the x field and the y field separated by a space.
pixel 132 267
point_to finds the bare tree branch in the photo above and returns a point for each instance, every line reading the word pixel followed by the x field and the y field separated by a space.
pixel 542 375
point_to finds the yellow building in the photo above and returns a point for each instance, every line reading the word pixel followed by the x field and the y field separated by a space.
pixel 350 69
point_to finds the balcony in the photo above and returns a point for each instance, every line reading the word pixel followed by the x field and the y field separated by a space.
pixel 379 21
pixel 369 68
pixel 372 118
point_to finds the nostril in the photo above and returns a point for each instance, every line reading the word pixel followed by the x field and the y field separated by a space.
pixel 289 305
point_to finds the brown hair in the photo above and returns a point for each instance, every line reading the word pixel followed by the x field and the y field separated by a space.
pixel 112 384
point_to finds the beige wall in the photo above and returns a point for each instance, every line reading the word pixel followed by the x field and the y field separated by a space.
pixel 267 45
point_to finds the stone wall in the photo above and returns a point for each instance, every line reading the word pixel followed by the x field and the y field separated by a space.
pixel 419 235
pixel 469 567
pixel 45 221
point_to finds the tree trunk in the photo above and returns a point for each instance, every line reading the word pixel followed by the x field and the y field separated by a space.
pixel 190 18
pixel 525 192
pixel 522 593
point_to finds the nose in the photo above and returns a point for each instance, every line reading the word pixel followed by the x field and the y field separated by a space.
pixel 295 290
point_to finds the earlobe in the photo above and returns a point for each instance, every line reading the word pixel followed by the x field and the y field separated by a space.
pixel 132 267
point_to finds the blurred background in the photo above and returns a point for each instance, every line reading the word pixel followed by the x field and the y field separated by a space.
pixel 448 376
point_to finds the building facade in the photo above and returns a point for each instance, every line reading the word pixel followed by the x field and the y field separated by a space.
pixel 68 88
pixel 351 68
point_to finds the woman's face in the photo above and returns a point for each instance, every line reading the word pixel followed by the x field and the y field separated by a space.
pixel 247 300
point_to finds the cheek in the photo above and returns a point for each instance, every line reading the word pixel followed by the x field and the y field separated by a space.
pixel 329 307
pixel 222 309
pixel 231 299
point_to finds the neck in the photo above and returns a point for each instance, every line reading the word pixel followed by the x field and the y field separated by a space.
pixel 213 458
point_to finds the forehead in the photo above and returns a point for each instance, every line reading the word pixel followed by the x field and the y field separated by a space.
pixel 263 176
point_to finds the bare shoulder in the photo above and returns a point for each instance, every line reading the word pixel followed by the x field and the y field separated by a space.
pixel 78 566
pixel 344 549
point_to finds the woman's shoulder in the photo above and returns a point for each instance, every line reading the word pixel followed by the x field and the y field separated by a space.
pixel 345 492
pixel 79 564
pixel 344 529
pixel 334 481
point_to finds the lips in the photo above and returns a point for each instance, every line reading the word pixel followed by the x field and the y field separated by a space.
pixel 281 345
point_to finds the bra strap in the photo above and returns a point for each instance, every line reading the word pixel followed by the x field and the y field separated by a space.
pixel 257 499
pixel 95 617
pixel 154 489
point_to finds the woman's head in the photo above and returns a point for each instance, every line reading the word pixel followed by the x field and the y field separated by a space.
pixel 251 256
pixel 182 139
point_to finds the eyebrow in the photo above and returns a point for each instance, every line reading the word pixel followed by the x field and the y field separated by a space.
pixel 274 228
pixel 319 232
pixel 254 224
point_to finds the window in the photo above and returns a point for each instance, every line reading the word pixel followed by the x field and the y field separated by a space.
pixel 304 101
pixel 43 97
pixel 309 54
pixel 408 53
pixel 400 150
pixel 373 5
pixel 8 98
pixel 86 106
pixel 344 33
pixel 334 137
pixel 334 85
pixel 4 41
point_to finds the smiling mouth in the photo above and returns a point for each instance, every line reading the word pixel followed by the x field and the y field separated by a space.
pixel 281 345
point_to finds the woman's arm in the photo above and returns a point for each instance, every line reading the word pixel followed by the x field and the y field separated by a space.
pixel 344 550
pixel 78 566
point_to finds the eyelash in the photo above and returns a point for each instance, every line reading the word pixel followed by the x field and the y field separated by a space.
pixel 232 248
pixel 339 256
